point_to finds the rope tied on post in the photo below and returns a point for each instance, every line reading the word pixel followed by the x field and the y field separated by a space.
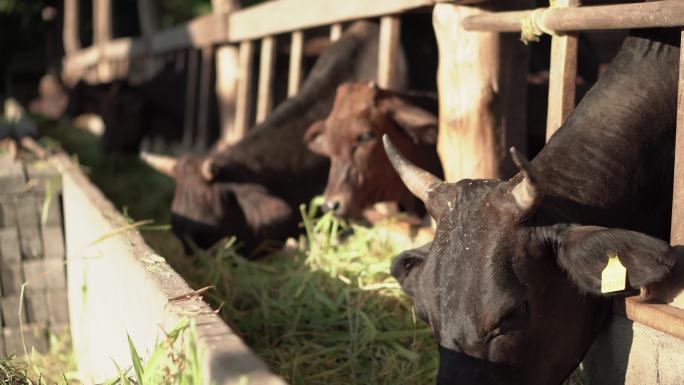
pixel 533 26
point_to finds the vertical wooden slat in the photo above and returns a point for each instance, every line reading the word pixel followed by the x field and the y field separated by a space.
pixel 190 92
pixel 148 19
pixel 102 23
pixel 296 52
pixel 387 51
pixel 102 33
pixel 266 66
pixel 244 92
pixel 563 76
pixel 72 40
pixel 335 32
pixel 227 58
pixel 204 94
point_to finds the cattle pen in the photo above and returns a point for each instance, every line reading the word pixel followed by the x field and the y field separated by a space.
pixel 218 51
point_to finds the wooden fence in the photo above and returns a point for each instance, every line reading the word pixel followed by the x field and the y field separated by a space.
pixel 230 34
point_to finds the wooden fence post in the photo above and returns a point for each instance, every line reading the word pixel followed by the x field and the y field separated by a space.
pixel 482 96
pixel 562 77
pixel 387 51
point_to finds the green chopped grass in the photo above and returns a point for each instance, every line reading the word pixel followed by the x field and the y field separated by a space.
pixel 326 311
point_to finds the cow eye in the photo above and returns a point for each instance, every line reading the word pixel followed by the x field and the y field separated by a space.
pixel 365 137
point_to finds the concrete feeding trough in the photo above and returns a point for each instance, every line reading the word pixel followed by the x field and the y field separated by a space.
pixel 118 286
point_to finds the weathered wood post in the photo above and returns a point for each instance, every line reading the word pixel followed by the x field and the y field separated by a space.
pixel 482 95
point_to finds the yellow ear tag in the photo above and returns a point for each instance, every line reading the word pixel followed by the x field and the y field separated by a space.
pixel 614 276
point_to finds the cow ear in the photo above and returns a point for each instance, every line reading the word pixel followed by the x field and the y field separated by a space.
pixel 314 138
pixel 416 122
pixel 584 253
pixel 262 210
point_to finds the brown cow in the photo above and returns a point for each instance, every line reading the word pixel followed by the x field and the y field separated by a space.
pixel 360 173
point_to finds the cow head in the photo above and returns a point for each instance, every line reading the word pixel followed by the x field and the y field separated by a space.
pixel 205 212
pixel 360 173
pixel 510 302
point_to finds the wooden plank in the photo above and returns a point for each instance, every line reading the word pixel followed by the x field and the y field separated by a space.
pixel 190 93
pixel 204 94
pixel 71 38
pixel 335 31
pixel 562 77
pixel 244 92
pixel 296 51
pixel 474 70
pixel 388 47
pixel 199 32
pixel 669 13
pixel 258 21
pixel 659 316
pixel 123 48
pixel 266 67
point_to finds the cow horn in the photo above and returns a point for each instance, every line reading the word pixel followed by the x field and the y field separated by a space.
pixel 162 163
pixel 417 180
pixel 525 192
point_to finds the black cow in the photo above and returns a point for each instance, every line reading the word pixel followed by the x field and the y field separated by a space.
pixel 511 283
pixel 253 188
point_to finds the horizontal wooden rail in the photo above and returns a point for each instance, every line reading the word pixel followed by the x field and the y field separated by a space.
pixel 668 13
pixel 280 16
pixel 656 315
pixel 249 24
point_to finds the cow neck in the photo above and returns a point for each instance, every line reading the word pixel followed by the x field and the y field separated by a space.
pixel 616 145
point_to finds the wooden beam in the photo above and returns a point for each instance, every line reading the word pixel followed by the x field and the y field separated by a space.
pixel 296 51
pixel 266 67
pixel 335 32
pixel 481 79
pixel 190 96
pixel 668 13
pixel 244 92
pixel 258 21
pixel 562 77
pixel 388 47
pixel 71 38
